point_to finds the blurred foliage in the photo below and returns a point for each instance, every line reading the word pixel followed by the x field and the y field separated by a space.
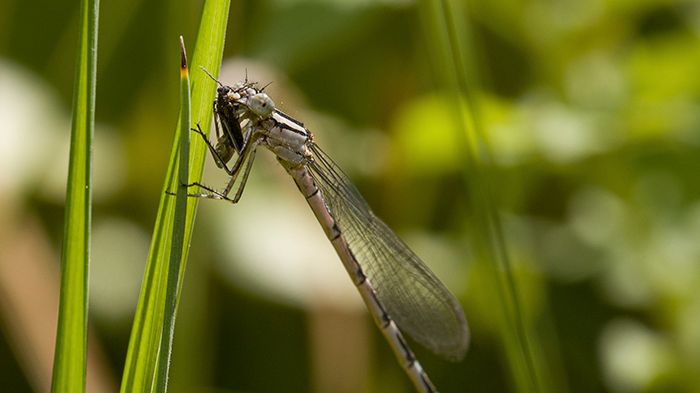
pixel 591 108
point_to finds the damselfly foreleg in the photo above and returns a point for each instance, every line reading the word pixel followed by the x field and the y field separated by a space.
pixel 220 161
pixel 244 179
pixel 246 156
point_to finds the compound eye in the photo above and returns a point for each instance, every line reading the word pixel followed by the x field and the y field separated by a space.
pixel 261 105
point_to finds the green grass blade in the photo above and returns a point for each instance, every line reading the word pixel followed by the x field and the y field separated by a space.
pixel 71 337
pixel 141 368
pixel 176 252
pixel 448 36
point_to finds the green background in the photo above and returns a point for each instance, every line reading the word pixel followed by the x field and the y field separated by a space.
pixel 591 110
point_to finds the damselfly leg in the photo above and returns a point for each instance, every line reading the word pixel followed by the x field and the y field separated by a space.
pixel 220 158
pixel 247 156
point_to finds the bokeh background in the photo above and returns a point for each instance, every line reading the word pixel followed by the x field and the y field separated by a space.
pixel 592 111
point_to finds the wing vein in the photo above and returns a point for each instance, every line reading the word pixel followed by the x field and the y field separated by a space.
pixel 412 295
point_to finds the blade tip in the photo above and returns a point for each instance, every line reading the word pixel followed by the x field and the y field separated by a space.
pixel 183 55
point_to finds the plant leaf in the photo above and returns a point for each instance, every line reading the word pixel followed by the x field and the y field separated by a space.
pixel 69 371
pixel 141 371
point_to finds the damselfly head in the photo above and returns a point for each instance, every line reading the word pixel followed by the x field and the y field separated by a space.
pixel 261 105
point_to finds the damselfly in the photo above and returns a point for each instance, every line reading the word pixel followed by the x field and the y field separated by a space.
pixel 396 286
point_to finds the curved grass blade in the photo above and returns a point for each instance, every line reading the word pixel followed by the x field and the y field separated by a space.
pixel 178 236
pixel 141 368
pixel 446 33
pixel 71 337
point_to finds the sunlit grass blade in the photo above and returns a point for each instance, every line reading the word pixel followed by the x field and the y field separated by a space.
pixel 448 36
pixel 141 368
pixel 71 338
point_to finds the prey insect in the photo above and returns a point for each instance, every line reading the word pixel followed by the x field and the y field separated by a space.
pixel 398 289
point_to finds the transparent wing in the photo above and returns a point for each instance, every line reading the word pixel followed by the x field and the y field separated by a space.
pixel 417 301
